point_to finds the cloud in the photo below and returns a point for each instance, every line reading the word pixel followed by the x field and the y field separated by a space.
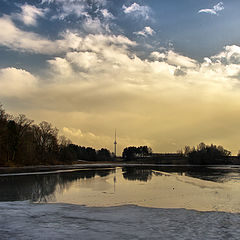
pixel 101 42
pixel 78 8
pixel 83 60
pixel 94 25
pixel 101 61
pixel 179 60
pixel 158 55
pixel 16 83
pixel 93 53
pixel 230 55
pixel 106 14
pixel 60 67
pixel 19 40
pixel 30 14
pixel 174 59
pixel 226 63
pixel 98 2
pixel 214 11
pixel 73 132
pixel 146 31
pixel 137 10
pixel 72 8
pixel 179 72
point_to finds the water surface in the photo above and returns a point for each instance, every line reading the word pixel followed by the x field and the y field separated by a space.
pixel 210 188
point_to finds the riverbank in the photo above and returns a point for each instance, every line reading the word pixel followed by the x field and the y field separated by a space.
pixel 6 171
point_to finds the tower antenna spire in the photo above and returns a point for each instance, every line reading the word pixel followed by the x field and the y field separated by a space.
pixel 115 144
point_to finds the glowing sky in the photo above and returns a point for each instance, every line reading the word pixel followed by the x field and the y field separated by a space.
pixel 164 73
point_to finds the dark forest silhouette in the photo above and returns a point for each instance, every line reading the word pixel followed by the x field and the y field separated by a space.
pixel 24 143
pixel 130 153
pixel 206 154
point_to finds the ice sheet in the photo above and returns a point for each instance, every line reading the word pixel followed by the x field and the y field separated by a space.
pixel 25 220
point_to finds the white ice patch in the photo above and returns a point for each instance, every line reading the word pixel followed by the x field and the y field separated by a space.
pixel 24 220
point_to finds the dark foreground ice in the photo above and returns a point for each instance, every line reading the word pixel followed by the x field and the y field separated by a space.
pixel 24 220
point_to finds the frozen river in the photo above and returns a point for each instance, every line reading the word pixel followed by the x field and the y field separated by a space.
pixel 167 202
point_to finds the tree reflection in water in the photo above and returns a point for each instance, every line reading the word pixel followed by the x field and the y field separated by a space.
pixel 206 173
pixel 41 188
pixel 137 173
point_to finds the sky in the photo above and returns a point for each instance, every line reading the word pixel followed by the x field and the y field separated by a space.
pixel 163 73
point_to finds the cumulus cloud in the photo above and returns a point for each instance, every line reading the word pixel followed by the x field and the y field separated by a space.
pixel 93 54
pixel 145 32
pixel 16 39
pixel 16 82
pixel 101 42
pixel 83 60
pixel 214 11
pixel 96 54
pixel 60 67
pixel 137 10
pixel 174 59
pixel 107 59
pixel 158 56
pixel 227 62
pixel 230 55
pixel 30 14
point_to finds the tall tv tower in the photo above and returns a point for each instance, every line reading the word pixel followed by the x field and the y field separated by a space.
pixel 115 144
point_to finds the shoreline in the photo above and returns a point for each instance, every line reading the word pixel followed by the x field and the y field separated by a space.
pixel 88 165
pixel 46 168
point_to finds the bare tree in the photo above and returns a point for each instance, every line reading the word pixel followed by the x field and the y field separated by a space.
pixel 46 140
pixel 17 129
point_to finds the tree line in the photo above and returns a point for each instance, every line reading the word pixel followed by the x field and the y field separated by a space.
pixel 202 154
pixel 205 154
pixel 24 143
pixel 131 153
